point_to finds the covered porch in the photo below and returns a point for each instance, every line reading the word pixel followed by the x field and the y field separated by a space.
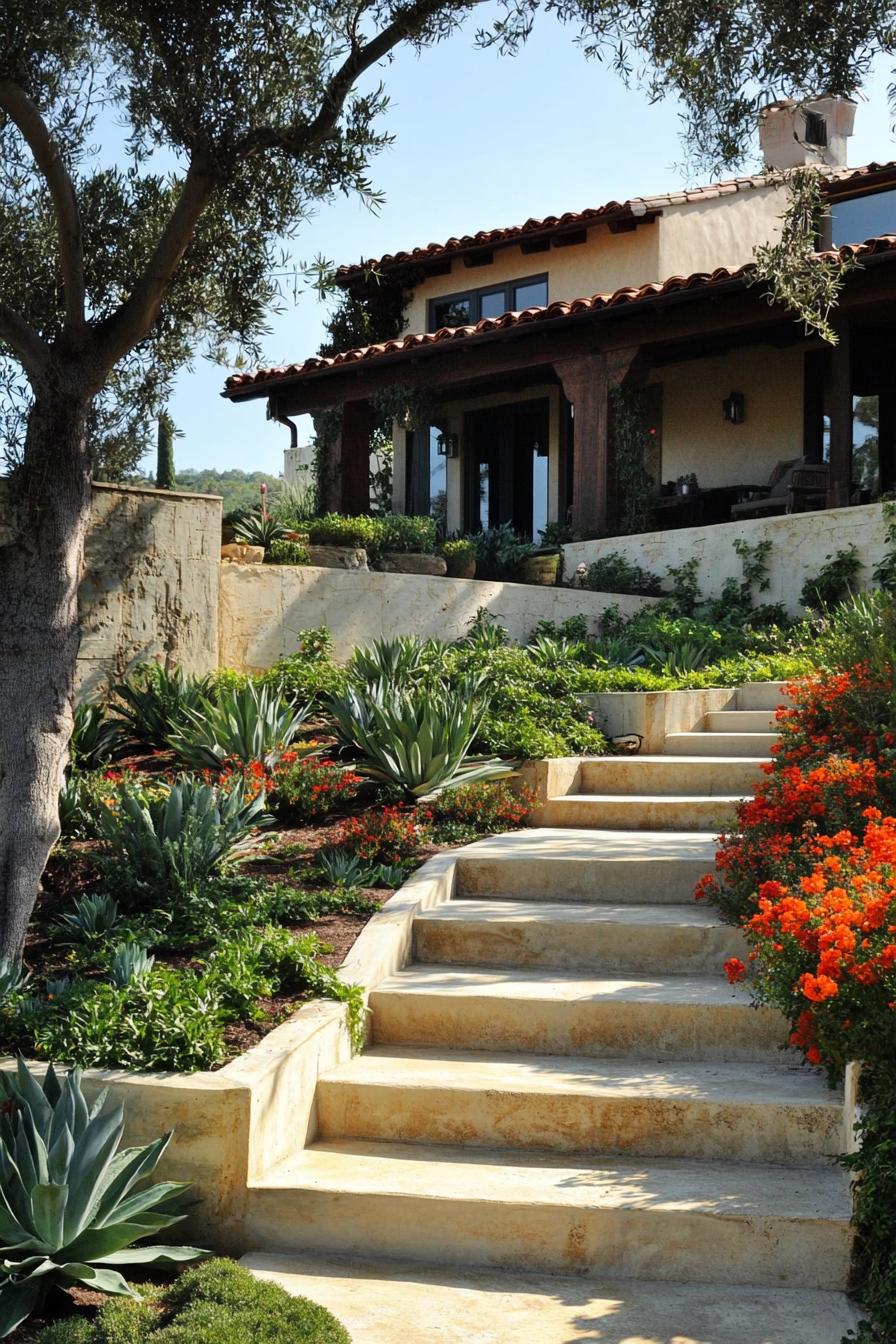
pixel 740 414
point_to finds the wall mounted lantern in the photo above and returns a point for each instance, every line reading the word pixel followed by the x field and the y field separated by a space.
pixel 734 408
pixel 448 444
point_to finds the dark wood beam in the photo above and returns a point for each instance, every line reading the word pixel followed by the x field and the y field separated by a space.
pixel 841 416
pixel 585 384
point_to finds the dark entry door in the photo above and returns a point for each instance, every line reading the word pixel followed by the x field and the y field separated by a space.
pixel 506 467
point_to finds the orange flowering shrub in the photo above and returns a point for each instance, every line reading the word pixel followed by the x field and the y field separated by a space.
pixel 824 947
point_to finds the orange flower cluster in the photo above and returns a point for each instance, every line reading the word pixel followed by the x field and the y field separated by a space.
pixel 831 941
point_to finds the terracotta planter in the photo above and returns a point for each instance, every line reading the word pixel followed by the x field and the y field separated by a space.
pixel 412 562
pixel 540 569
pixel 461 566
pixel 242 554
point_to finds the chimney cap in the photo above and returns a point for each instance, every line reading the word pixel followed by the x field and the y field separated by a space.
pixel 813 130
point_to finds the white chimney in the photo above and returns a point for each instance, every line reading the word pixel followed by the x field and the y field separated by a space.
pixel 812 132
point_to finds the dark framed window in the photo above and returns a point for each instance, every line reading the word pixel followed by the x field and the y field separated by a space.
pixel 471 305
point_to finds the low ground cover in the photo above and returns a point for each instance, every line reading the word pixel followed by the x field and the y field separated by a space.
pixel 810 874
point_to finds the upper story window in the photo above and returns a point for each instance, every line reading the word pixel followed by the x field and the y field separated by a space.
pixel 860 217
pixel 471 305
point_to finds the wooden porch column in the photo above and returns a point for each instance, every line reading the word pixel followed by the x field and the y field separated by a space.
pixel 352 454
pixel 585 383
pixel 841 418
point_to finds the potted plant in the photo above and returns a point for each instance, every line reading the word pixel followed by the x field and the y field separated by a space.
pixel 337 541
pixel 407 545
pixel 500 552
pixel 687 485
pixel 460 557
pixel 542 566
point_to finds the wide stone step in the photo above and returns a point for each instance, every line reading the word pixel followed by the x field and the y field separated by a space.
pixel 375 1299
pixel 650 1018
pixel 633 811
pixel 575 936
pixel 679 1220
pixel 701 743
pixel 670 775
pixel 740 721
pixel 762 695
pixel 547 864
pixel 736 1112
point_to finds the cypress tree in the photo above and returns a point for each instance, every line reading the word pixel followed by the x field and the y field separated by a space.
pixel 165 455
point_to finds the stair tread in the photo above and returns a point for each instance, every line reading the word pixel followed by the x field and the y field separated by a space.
pixel 568 986
pixel 650 798
pixel 716 732
pixel 488 1176
pixel 560 844
pixel 506 909
pixel 376 1299
pixel 666 758
pixel 473 1070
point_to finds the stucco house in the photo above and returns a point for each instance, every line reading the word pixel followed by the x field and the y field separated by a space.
pixel 519 335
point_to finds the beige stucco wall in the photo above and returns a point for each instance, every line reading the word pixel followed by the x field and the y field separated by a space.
pixel 800 544
pixel 263 608
pixel 692 236
pixel 150 586
pixel 697 439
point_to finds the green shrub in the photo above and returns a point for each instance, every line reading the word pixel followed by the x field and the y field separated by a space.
pixel 70 1330
pixel 404 532
pixel 834 581
pixel 461 815
pixel 70 1211
pixel 273 1316
pixel 337 529
pixel 499 551
pixel 309 789
pixel 308 676
pixel 613 573
pixel 162 849
pixel 284 552
pixel 252 724
pixel 121 1320
pixel 458 548
pixel 152 701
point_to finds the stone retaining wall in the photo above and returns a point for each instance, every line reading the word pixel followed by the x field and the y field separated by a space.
pixel 801 542
pixel 263 608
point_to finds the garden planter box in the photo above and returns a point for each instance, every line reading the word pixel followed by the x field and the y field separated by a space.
pixel 338 557
pixel 540 569
pixel 461 567
pixel 413 562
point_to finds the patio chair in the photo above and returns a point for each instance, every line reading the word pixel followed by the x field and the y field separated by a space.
pixel 793 487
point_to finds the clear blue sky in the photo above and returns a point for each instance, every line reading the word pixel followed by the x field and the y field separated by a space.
pixel 480 141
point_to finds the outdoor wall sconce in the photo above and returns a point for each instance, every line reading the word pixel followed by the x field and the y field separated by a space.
pixel 448 444
pixel 733 408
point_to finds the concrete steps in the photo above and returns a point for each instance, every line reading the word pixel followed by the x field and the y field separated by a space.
pixel 731 1112
pixel 564 1013
pixel 377 1299
pixel 628 812
pixel 554 864
pixel 575 936
pixel 562 1082
pixel 713 1222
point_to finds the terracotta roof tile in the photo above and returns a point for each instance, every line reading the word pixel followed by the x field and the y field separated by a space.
pixel 637 206
pixel 240 383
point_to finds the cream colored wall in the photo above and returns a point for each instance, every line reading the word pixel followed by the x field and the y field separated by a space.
pixel 603 263
pixel 263 608
pixel 801 542
pixel 694 236
pixel 722 231
pixel 697 439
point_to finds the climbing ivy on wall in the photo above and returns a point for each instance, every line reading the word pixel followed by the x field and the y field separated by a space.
pixel 630 432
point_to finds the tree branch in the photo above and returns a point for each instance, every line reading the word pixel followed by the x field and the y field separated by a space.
pixel 296 140
pixel 23 340
pixel 134 319
pixel 26 116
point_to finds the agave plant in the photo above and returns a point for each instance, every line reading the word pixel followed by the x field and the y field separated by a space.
pixel 344 869
pixel 555 652
pixel 68 1209
pixel 92 917
pixel 130 962
pixel 95 737
pixel 259 528
pixel 171 844
pixel 681 657
pixel 13 978
pixel 252 723
pixel 417 739
pixel 152 701
pixel 395 661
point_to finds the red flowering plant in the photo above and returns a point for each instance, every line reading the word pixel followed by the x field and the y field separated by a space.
pixel 835 758
pixel 385 836
pixel 308 789
pixel 488 808
pixel 824 947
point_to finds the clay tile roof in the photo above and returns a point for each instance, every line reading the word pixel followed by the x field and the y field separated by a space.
pixel 243 383
pixel 636 207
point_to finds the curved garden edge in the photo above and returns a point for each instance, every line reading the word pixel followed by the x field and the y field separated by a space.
pixel 232 1125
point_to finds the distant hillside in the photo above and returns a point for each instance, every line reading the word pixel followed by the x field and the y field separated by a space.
pixel 240 489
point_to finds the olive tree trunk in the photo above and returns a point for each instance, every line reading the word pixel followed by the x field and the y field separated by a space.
pixel 43 522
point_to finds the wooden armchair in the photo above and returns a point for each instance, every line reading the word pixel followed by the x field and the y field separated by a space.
pixel 793 487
